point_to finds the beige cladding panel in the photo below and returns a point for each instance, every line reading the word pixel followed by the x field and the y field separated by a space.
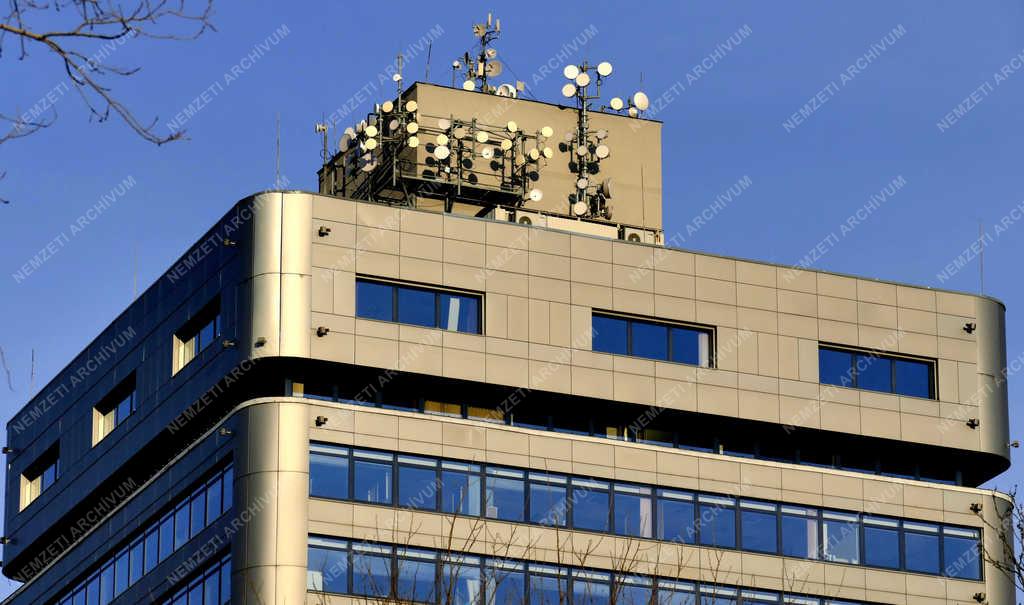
pixel 634 164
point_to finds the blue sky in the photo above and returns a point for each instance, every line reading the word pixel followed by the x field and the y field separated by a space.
pixel 885 75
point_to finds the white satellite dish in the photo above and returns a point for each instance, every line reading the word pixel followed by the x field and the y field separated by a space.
pixel 580 208
pixel 507 90
pixel 370 144
pixel 344 143
pixel 569 90
pixel 536 195
pixel 350 132
pixel 413 141
pixel 581 151
pixel 481 136
pixel 396 78
pixel 633 112
pixel 512 126
pixel 459 132
pixel 442 139
pixel 534 155
pixel 602 151
pixel 506 144
pixel 570 72
pixel 546 132
pixel 583 79
pixel 616 103
pixel 370 130
pixel 582 182
pixel 444 123
pixel 548 152
pixel 441 152
pixel 394 124
pixel 487 152
pixel 602 134
pixel 411 106
pixel 604 69
pixel 640 101
pixel 493 69
pixel 469 85
pixel 387 106
pixel 412 127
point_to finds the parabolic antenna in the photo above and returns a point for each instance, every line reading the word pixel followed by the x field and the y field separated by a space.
pixel 396 78
pixel 493 69
pixel 344 143
pixel 394 125
pixel 534 155
pixel 512 126
pixel 569 90
pixel 633 112
pixel 413 141
pixel 459 132
pixel 442 139
pixel 548 152
pixel 469 85
pixel 350 132
pixel 441 152
pixel 640 101
pixel 602 151
pixel 583 79
pixel 601 134
pixel 387 106
pixel 487 152
pixel 481 136
pixel 546 132
pixel 616 103
pixel 570 72
pixel 412 127
pixel 582 182
pixel 536 195
pixel 411 106
pixel 491 53
pixel 581 151
pixel 370 144
pixel 506 144
pixel 579 208
pixel 604 69
pixel 444 123
pixel 370 130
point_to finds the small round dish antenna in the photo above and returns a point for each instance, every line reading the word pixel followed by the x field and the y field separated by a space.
pixel 604 69
pixel 413 141
pixel 580 208
pixel 536 195
pixel 569 90
pixel 570 72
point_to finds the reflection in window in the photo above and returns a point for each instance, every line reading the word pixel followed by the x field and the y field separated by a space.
pixel 371 570
pixel 962 553
pixel 758 526
pixel 876 372
pixel 548 505
pixel 717 520
pixel 40 475
pixel 418 306
pixel 327 566
pixel 506 494
pixel 461 583
pixel 676 517
pixel 591 587
pixel 840 537
pixel 921 542
pixel 506 582
pixel 114 409
pixel 417 482
pixel 460 488
pixel 197 334
pixel 881 542
pixel 328 472
pixel 372 477
pixel 591 504
pixel 634 511
pixel 651 340
pixel 416 580
pixel 799 532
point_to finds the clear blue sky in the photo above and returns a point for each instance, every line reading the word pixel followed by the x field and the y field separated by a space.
pixel 877 124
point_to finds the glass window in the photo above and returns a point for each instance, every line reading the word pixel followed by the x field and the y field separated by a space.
pixel 609 334
pixel 591 505
pixel 691 346
pixel 135 562
pixel 371 570
pixel 198 514
pixel 548 585
pixel 634 511
pixel 835 367
pixel 799 532
pixel 506 494
pixel 460 488
pixel 372 477
pixel 327 570
pixel 166 536
pixel 328 472
pixel 506 583
pixel 914 378
pixel 417 307
pixel 676 517
pixel 374 300
pixel 180 525
pixel 840 537
pixel 874 373
pixel 649 340
pixel 92 590
pixel 717 520
pixel 460 313
pixel 590 588
pixel 229 489
pixel 121 572
pixel 634 590
pixel 714 595
pixel 461 583
pixel 759 526
pixel 417 576
pixel 671 592
pixel 417 482
pixel 213 499
pixel 881 542
pixel 548 501
pixel 225 582
pixel 921 541
pixel 961 553
pixel 107 584
pixel 152 548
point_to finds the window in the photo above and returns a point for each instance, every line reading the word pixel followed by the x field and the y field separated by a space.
pixel 211 588
pixel 634 511
pixel 419 306
pixel 877 372
pixel 652 340
pixel 591 504
pixel 799 532
pixel 634 590
pixel 921 541
pixel 759 526
pixel 549 585
pixel 881 542
pixel 197 334
pixel 460 581
pixel 328 471
pixel 676 517
pixel 962 553
pixel 371 570
pixel 506 494
pixel 417 576
pixel 327 566
pixel 672 592
pixel 591 587
pixel 840 537
pixel 548 502
pixel 717 521
pixel 40 475
pixel 417 482
pixel 114 409
pixel 506 582
pixel 460 488
pixel 372 473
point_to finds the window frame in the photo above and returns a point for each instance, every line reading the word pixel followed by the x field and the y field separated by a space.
pixel 106 412
pixel 188 341
pixel 670 326
pixel 892 358
pixel 34 479
pixel 437 291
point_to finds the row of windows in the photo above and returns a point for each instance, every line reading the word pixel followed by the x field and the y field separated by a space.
pixel 382 571
pixel 418 306
pixel 156 542
pixel 628 509
pixel 876 372
pixel 212 587
pixel 652 340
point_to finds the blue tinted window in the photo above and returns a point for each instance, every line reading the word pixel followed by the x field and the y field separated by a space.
pixel 327 570
pixel 371 573
pixel 417 578
pixel 214 501
pixel 328 475
pixel 799 532
pixel 460 489
pixel 373 478
pixel 841 537
pixel 921 541
pixel 229 488
pixel 676 517
pixel 506 584
pixel 961 552
pixel 881 543
pixel 914 378
pixel 717 521
pixel 417 483
pixel 461 582
pixel 121 573
pixel 675 593
pixel 373 300
pixel 874 373
pixel 152 550
pixel 688 346
pixel 417 307
pixel 591 588
pixel 180 526
pixel 759 527
pixel 591 506
pixel 135 562
pixel 506 495
pixel 198 513
pixel 107 584
pixel 609 335
pixel 835 367
pixel 548 501
pixel 548 590
pixel 634 511
pixel 634 592
pixel 649 340
pixel 460 313
pixel 166 536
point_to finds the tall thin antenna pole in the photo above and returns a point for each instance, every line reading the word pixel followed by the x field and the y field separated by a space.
pixel 135 270
pixel 981 259
pixel 32 374
pixel 430 47
pixel 277 155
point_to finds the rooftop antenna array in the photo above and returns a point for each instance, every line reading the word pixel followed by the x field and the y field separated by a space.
pixel 479 67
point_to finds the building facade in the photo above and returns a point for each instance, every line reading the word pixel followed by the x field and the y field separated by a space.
pixel 330 400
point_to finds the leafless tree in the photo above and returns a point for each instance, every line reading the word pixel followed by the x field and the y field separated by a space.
pixel 1008 529
pixel 73 33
